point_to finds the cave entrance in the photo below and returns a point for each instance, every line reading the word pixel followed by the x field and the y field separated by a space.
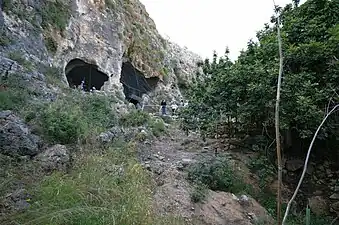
pixel 135 84
pixel 77 70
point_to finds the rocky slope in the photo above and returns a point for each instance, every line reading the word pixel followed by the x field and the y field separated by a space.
pixel 101 33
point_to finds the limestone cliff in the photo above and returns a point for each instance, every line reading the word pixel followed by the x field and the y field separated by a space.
pixel 99 35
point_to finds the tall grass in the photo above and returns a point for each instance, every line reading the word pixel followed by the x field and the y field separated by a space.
pixel 107 186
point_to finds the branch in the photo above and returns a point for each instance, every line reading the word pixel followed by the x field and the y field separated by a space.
pixel 277 126
pixel 306 162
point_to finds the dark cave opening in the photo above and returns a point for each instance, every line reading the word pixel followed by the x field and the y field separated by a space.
pixel 77 70
pixel 135 84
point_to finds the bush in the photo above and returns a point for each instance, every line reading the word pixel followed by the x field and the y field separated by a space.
pixel 76 116
pixel 157 126
pixel 56 14
pixel 199 192
pixel 216 174
pixel 63 123
pixel 135 118
pixel 14 94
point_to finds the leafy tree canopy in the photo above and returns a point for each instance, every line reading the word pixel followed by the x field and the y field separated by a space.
pixel 246 89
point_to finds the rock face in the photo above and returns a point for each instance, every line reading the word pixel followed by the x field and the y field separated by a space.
pixel 16 138
pixel 54 158
pixel 97 33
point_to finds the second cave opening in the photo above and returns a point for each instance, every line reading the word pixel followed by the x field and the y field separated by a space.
pixel 135 84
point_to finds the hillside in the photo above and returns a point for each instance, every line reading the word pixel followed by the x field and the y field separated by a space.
pixel 75 150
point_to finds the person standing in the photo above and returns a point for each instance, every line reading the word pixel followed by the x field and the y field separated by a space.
pixel 174 107
pixel 163 107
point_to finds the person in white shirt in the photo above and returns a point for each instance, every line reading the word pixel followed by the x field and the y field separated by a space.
pixel 174 107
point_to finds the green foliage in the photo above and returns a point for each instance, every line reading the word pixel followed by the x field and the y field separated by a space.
pixel 134 118
pixel 55 14
pixel 263 168
pixel 53 75
pixel 17 56
pixel 199 192
pixel 217 174
pixel 14 94
pixel 109 187
pixel 76 116
pixel 51 44
pixel 6 5
pixel 110 4
pixel 157 126
pixel 4 39
pixel 63 123
pixel 246 89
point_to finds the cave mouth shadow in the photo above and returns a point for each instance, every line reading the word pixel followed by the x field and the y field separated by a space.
pixel 135 84
pixel 78 70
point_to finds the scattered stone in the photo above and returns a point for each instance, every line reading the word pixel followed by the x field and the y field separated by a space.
pixel 335 196
pixel 54 158
pixel 16 138
pixel 220 208
pixel 318 205
pixel 18 200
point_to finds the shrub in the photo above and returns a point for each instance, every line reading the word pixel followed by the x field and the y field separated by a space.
pixel 51 44
pixel 199 192
pixel 216 174
pixel 99 111
pixel 56 14
pixel 63 123
pixel 4 39
pixel 135 118
pixel 157 126
pixel 14 94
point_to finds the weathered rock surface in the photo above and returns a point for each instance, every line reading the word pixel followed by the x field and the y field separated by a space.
pixel 102 33
pixel 54 158
pixel 318 205
pixel 225 208
pixel 15 136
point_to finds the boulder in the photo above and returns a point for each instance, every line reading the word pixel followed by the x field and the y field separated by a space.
pixel 294 165
pixel 16 138
pixel 224 208
pixel 318 205
pixel 54 158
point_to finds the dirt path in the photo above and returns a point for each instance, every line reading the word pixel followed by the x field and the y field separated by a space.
pixel 167 157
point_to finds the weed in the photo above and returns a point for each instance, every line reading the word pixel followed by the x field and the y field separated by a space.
pixel 134 118
pixel 53 75
pixel 199 192
pixel 55 14
pixel 17 56
pixel 157 126
pixel 14 94
pixel 51 44
pixel 4 39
